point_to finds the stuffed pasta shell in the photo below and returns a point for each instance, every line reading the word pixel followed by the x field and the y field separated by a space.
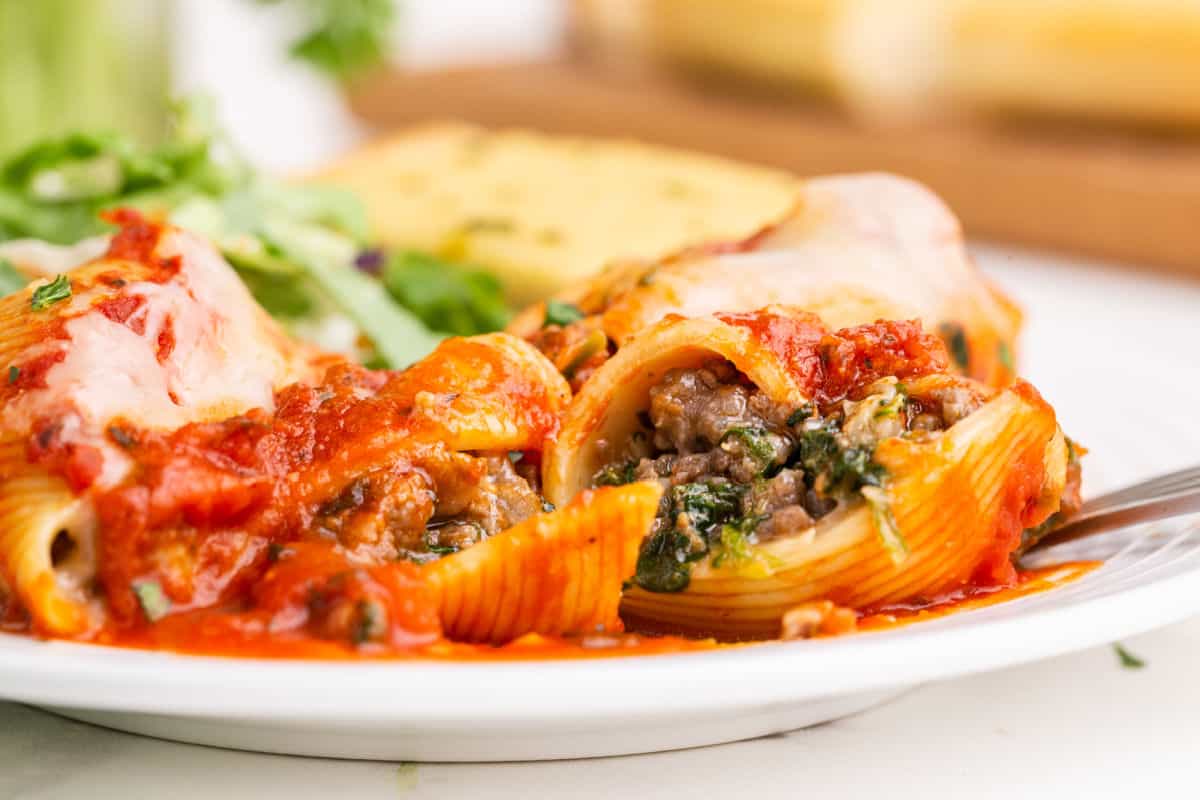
pixel 801 464
pixel 175 472
pixel 854 249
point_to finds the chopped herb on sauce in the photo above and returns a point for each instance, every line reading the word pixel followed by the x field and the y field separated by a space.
pixel 956 342
pixel 14 372
pixel 560 313
pixel 150 597
pixel 1127 659
pixel 48 294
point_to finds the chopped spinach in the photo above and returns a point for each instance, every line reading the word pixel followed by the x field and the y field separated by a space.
pixel 615 474
pixel 707 504
pixel 955 337
pixel 800 414
pixel 664 562
pixel 755 442
pixel 833 467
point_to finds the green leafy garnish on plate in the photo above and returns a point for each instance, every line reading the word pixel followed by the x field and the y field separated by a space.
pixel 298 248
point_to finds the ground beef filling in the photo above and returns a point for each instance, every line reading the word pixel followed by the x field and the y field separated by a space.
pixel 422 514
pixel 739 469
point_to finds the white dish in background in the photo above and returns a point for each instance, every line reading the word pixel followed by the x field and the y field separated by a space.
pixel 1083 354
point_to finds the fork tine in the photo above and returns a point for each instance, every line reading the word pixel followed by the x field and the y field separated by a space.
pixel 1171 483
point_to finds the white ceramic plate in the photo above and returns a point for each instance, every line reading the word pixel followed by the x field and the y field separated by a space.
pixel 543 710
pixel 1083 360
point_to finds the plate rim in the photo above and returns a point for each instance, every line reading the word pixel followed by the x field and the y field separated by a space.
pixel 103 678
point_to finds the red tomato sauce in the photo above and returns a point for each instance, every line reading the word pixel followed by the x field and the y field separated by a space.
pixel 829 366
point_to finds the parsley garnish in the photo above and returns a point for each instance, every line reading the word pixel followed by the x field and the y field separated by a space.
pixel 48 294
pixel 560 313
pixel 150 597
pixel 1128 660
pixel 13 373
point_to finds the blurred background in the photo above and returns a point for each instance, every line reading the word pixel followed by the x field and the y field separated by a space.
pixel 1067 125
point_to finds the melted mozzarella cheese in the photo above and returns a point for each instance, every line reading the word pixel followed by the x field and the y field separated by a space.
pixel 196 348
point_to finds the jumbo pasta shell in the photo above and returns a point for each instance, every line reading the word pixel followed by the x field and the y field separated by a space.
pixel 489 392
pixel 605 412
pixel 960 500
pixel 159 330
pixel 556 573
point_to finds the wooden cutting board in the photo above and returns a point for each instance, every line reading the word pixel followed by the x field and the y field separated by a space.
pixel 1119 196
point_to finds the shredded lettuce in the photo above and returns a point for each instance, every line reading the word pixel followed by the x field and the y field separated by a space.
pixel 447 297
pixel 297 248
pixel 11 280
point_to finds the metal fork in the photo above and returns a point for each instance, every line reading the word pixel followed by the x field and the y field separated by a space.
pixel 1170 495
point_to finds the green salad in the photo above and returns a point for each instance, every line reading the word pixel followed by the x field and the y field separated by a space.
pixel 304 251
